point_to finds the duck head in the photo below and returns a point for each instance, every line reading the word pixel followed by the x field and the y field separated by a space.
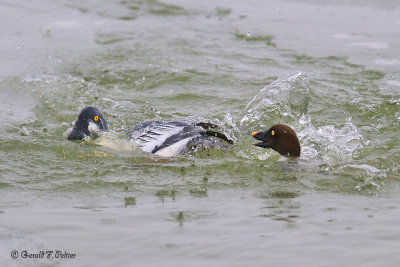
pixel 280 138
pixel 90 121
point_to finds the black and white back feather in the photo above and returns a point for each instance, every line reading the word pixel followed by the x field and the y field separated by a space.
pixel 170 138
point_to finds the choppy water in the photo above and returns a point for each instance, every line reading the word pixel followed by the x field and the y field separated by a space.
pixel 330 69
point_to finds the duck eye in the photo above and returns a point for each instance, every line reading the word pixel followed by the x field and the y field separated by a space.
pixel 96 118
pixel 272 132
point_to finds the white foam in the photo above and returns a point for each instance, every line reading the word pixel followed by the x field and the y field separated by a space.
pixel 65 24
pixel 371 45
pixel 93 128
pixel 330 142
pixel 387 62
pixel 393 82
pixel 284 98
pixel 341 36
pixel 111 140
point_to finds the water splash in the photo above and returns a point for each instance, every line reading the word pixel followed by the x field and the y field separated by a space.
pixel 330 142
pixel 336 150
pixel 284 100
pixel 116 142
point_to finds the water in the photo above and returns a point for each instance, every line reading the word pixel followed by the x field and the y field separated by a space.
pixel 327 68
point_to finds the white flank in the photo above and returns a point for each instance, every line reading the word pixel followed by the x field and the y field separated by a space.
pixel 155 136
pixel 173 149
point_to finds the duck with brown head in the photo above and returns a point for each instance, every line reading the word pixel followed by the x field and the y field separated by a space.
pixel 280 138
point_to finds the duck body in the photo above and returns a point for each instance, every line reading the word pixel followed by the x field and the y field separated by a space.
pixel 165 139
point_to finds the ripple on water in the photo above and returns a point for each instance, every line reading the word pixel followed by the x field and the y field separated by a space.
pixel 16 103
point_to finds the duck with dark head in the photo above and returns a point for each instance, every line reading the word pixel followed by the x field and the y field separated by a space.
pixel 280 138
pixel 165 139
pixel 90 121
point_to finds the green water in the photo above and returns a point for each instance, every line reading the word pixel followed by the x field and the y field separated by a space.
pixel 330 70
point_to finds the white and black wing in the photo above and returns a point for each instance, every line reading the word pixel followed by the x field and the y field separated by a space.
pixel 157 136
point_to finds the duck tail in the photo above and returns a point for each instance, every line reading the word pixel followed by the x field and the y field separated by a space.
pixel 207 125
pixel 219 135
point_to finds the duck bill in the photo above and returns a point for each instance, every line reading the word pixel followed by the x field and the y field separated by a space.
pixel 262 136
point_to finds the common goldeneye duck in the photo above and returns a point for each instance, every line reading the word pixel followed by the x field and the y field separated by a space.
pixel 165 139
pixel 90 121
pixel 280 138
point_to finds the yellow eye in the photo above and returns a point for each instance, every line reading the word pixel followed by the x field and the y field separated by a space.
pixel 272 132
pixel 96 118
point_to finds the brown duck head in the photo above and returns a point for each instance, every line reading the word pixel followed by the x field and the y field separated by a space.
pixel 280 138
